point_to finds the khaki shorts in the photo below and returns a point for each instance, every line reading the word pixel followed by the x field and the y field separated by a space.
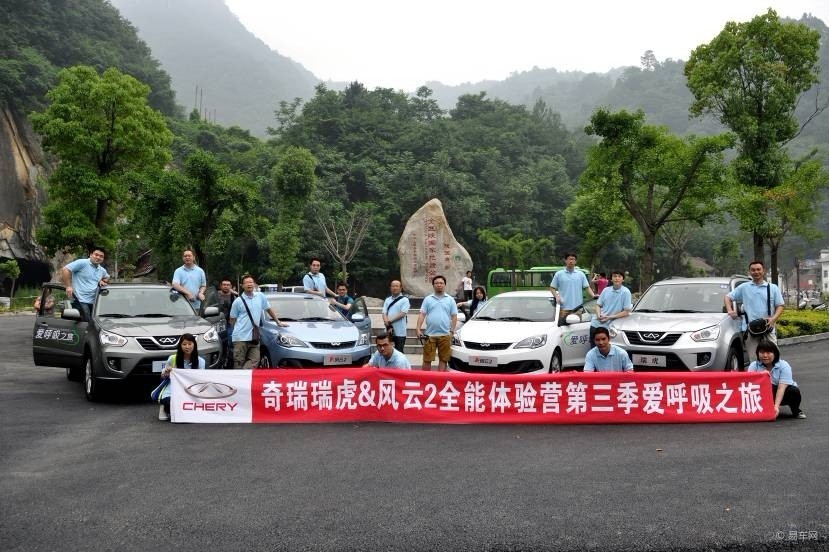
pixel 441 343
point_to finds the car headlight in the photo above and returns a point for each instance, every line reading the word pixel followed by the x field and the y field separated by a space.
pixel 456 340
pixel 111 339
pixel 711 333
pixel 613 332
pixel 290 341
pixel 211 335
pixel 533 342
pixel 363 339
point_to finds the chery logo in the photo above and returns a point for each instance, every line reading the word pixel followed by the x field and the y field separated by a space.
pixel 651 336
pixel 210 390
pixel 167 340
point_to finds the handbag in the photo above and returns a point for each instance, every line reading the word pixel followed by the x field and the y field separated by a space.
pixel 255 337
pixel 761 326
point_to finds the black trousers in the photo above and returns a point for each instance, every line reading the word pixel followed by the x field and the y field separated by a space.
pixel 791 398
pixel 400 342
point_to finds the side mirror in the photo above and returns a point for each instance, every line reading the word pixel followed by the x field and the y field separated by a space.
pixel 461 317
pixel 211 311
pixel 71 314
pixel 357 317
pixel 572 319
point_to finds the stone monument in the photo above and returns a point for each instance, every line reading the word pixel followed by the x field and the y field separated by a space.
pixel 428 248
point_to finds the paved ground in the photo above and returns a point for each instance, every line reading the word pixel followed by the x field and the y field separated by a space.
pixel 81 476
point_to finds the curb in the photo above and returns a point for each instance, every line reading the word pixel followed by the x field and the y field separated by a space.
pixel 802 339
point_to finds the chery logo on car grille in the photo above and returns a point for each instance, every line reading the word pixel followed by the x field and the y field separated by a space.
pixel 167 340
pixel 210 390
pixel 652 336
pixel 485 345
pixel 335 343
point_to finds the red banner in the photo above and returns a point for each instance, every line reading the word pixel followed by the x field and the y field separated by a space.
pixel 413 396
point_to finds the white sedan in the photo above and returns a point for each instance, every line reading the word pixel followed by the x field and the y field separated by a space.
pixel 518 333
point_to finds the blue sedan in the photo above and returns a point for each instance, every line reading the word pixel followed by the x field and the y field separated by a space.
pixel 317 334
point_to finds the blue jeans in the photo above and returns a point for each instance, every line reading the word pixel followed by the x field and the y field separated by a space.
pixel 85 308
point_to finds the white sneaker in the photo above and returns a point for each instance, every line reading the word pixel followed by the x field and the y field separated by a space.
pixel 163 416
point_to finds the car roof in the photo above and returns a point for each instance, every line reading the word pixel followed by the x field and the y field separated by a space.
pixel 702 280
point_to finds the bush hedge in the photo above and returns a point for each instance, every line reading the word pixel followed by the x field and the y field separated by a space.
pixel 802 322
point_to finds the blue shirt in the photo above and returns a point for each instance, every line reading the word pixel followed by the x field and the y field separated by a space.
pixel 315 282
pixel 401 306
pixel 781 372
pixel 438 311
pixel 347 300
pixel 396 360
pixel 191 279
pixel 755 299
pixel 570 285
pixel 612 301
pixel 187 365
pixel 85 279
pixel 242 327
pixel 617 360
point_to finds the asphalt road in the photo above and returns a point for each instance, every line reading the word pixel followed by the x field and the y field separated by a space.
pixel 82 476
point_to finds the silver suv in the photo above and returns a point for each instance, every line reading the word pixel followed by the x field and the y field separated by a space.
pixel 681 324
pixel 134 328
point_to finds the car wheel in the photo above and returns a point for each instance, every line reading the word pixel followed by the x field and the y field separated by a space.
pixel 75 373
pixel 265 359
pixel 555 362
pixel 732 362
pixel 91 386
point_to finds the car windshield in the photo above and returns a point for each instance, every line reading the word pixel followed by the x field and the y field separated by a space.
pixel 518 309
pixel 141 302
pixel 303 308
pixel 703 297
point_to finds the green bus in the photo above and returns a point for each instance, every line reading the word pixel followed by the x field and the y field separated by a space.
pixel 537 277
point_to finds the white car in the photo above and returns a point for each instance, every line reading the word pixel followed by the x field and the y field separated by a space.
pixel 518 333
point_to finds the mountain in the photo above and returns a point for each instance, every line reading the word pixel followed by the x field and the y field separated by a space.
pixel 203 45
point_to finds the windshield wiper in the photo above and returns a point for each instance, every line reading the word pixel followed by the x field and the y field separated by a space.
pixel 484 318
pixel 682 310
pixel 515 319
pixel 115 315
pixel 647 310
pixel 154 315
pixel 314 319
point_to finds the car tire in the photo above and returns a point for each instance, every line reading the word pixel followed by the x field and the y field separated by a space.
pixel 732 361
pixel 265 359
pixel 555 362
pixel 75 373
pixel 91 385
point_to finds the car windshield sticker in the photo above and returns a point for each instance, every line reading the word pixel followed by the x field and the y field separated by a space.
pixel 67 336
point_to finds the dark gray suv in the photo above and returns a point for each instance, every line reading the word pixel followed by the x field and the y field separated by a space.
pixel 134 328
pixel 681 324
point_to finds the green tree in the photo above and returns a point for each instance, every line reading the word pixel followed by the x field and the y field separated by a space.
pixel 515 251
pixel 10 269
pixel 657 177
pixel 293 184
pixel 750 78
pixel 101 129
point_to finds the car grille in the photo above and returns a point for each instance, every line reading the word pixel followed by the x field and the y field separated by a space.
pixel 518 367
pixel 335 345
pixel 655 339
pixel 159 342
pixel 486 346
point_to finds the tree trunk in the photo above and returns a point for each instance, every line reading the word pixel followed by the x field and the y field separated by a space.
pixel 647 261
pixel 774 246
pixel 759 250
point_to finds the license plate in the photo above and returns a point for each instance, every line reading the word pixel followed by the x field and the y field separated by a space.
pixel 483 361
pixel 650 360
pixel 158 365
pixel 335 360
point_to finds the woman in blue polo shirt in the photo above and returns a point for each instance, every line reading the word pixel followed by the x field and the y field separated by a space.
pixel 783 387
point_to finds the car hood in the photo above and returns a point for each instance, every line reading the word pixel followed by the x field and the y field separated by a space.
pixel 139 327
pixel 483 331
pixel 669 322
pixel 318 331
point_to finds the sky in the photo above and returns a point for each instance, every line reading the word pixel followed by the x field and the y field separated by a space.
pixel 402 45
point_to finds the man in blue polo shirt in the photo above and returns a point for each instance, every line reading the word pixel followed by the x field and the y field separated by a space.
pixel 189 279
pixel 614 302
pixel 83 278
pixel 761 300
pixel 568 285
pixel 386 356
pixel 246 312
pixel 606 357
pixel 395 314
pixel 314 280
pixel 440 312
pixel 343 301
